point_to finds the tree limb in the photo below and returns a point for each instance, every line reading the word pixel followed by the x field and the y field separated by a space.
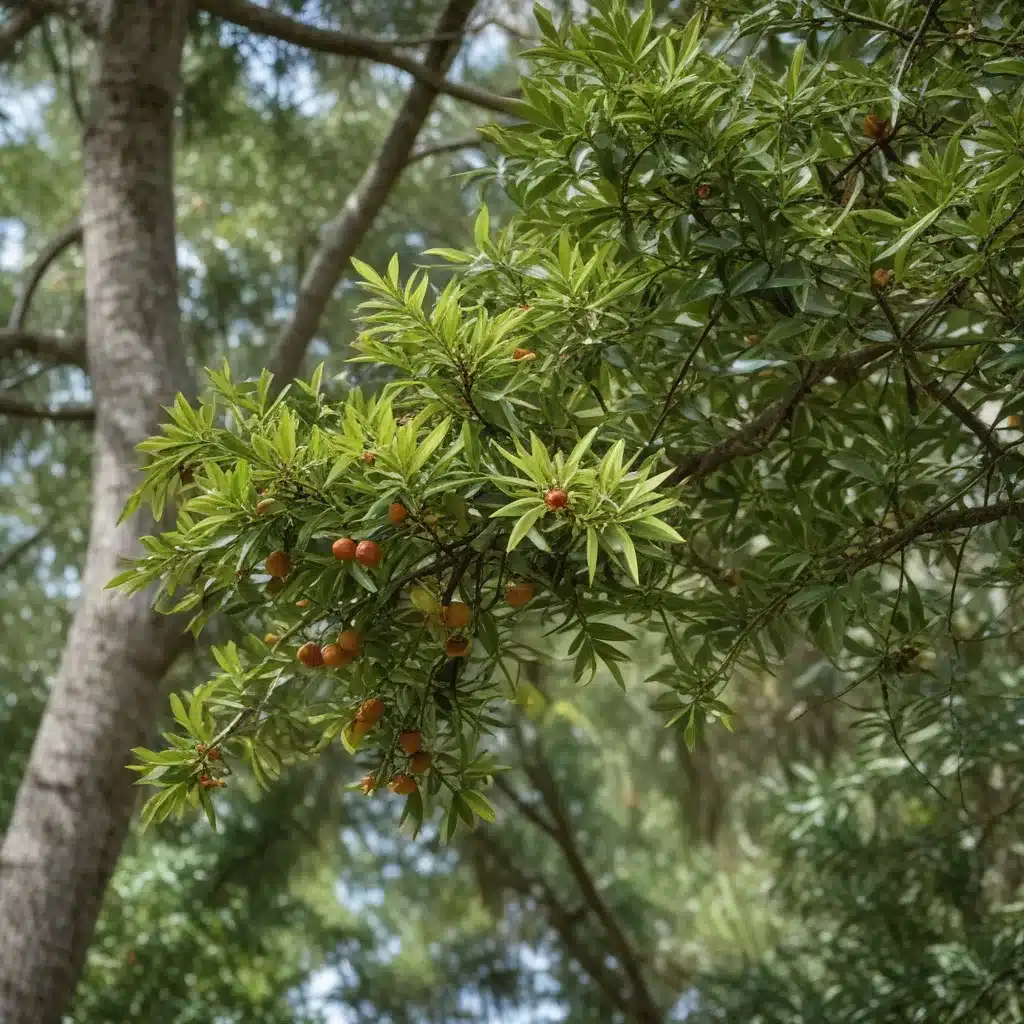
pixel 72 412
pixel 52 346
pixel 70 235
pixel 342 236
pixel 425 152
pixel 8 558
pixel 561 919
pixel 938 522
pixel 265 21
pixel 755 435
pixel 562 831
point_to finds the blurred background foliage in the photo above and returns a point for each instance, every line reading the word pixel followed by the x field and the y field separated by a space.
pixel 796 869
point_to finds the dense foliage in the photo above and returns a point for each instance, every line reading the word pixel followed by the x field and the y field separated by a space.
pixel 776 255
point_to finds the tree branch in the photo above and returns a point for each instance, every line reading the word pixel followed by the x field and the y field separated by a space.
pixel 425 152
pixel 938 522
pixel 562 831
pixel 562 920
pixel 8 558
pixel 268 22
pixel 756 435
pixel 52 346
pixel 71 235
pixel 72 412
pixel 342 236
pixel 17 26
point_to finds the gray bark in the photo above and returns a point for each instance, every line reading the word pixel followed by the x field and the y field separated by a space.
pixel 342 236
pixel 76 800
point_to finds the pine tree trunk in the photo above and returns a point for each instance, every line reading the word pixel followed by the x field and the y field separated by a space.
pixel 76 799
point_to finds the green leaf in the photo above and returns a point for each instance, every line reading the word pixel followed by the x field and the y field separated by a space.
pixel 592 545
pixel 525 524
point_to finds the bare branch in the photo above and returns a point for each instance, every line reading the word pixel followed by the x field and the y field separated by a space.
pixel 645 1008
pixel 938 522
pixel 52 346
pixel 268 22
pixel 71 235
pixel 561 919
pixel 17 26
pixel 756 435
pixel 474 141
pixel 8 558
pixel 73 412
pixel 342 236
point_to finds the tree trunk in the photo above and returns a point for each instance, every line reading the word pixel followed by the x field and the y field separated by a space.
pixel 76 800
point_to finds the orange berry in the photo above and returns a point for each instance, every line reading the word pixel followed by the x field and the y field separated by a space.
pixel 403 785
pixel 455 615
pixel 1014 422
pixel 518 594
pixel 410 740
pixel 370 711
pixel 751 340
pixel 456 647
pixel 368 553
pixel 524 307
pixel 880 278
pixel 369 458
pixel 704 191
pixel 277 564
pixel 420 762
pixel 207 783
pixel 344 549
pixel 368 784
pixel 271 638
pixel 396 513
pixel 264 506
pixel 310 655
pixel 556 498
pixel 304 603
pixel 335 657
pixel 524 355
pixel 348 641
pixel 360 729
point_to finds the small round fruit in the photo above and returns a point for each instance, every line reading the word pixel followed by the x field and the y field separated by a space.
pixel 277 564
pixel 310 655
pixel 368 784
pixel 704 191
pixel 410 740
pixel 518 594
pixel 880 278
pixel 360 729
pixel 369 458
pixel 750 340
pixel 524 355
pixel 368 553
pixel 271 638
pixel 264 506
pixel 304 603
pixel 1013 422
pixel 556 498
pixel 370 711
pixel 335 657
pixel 348 641
pixel 456 647
pixel 397 513
pixel 344 549
pixel 213 754
pixel 456 615
pixel 875 127
pixel 420 762
pixel 403 785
